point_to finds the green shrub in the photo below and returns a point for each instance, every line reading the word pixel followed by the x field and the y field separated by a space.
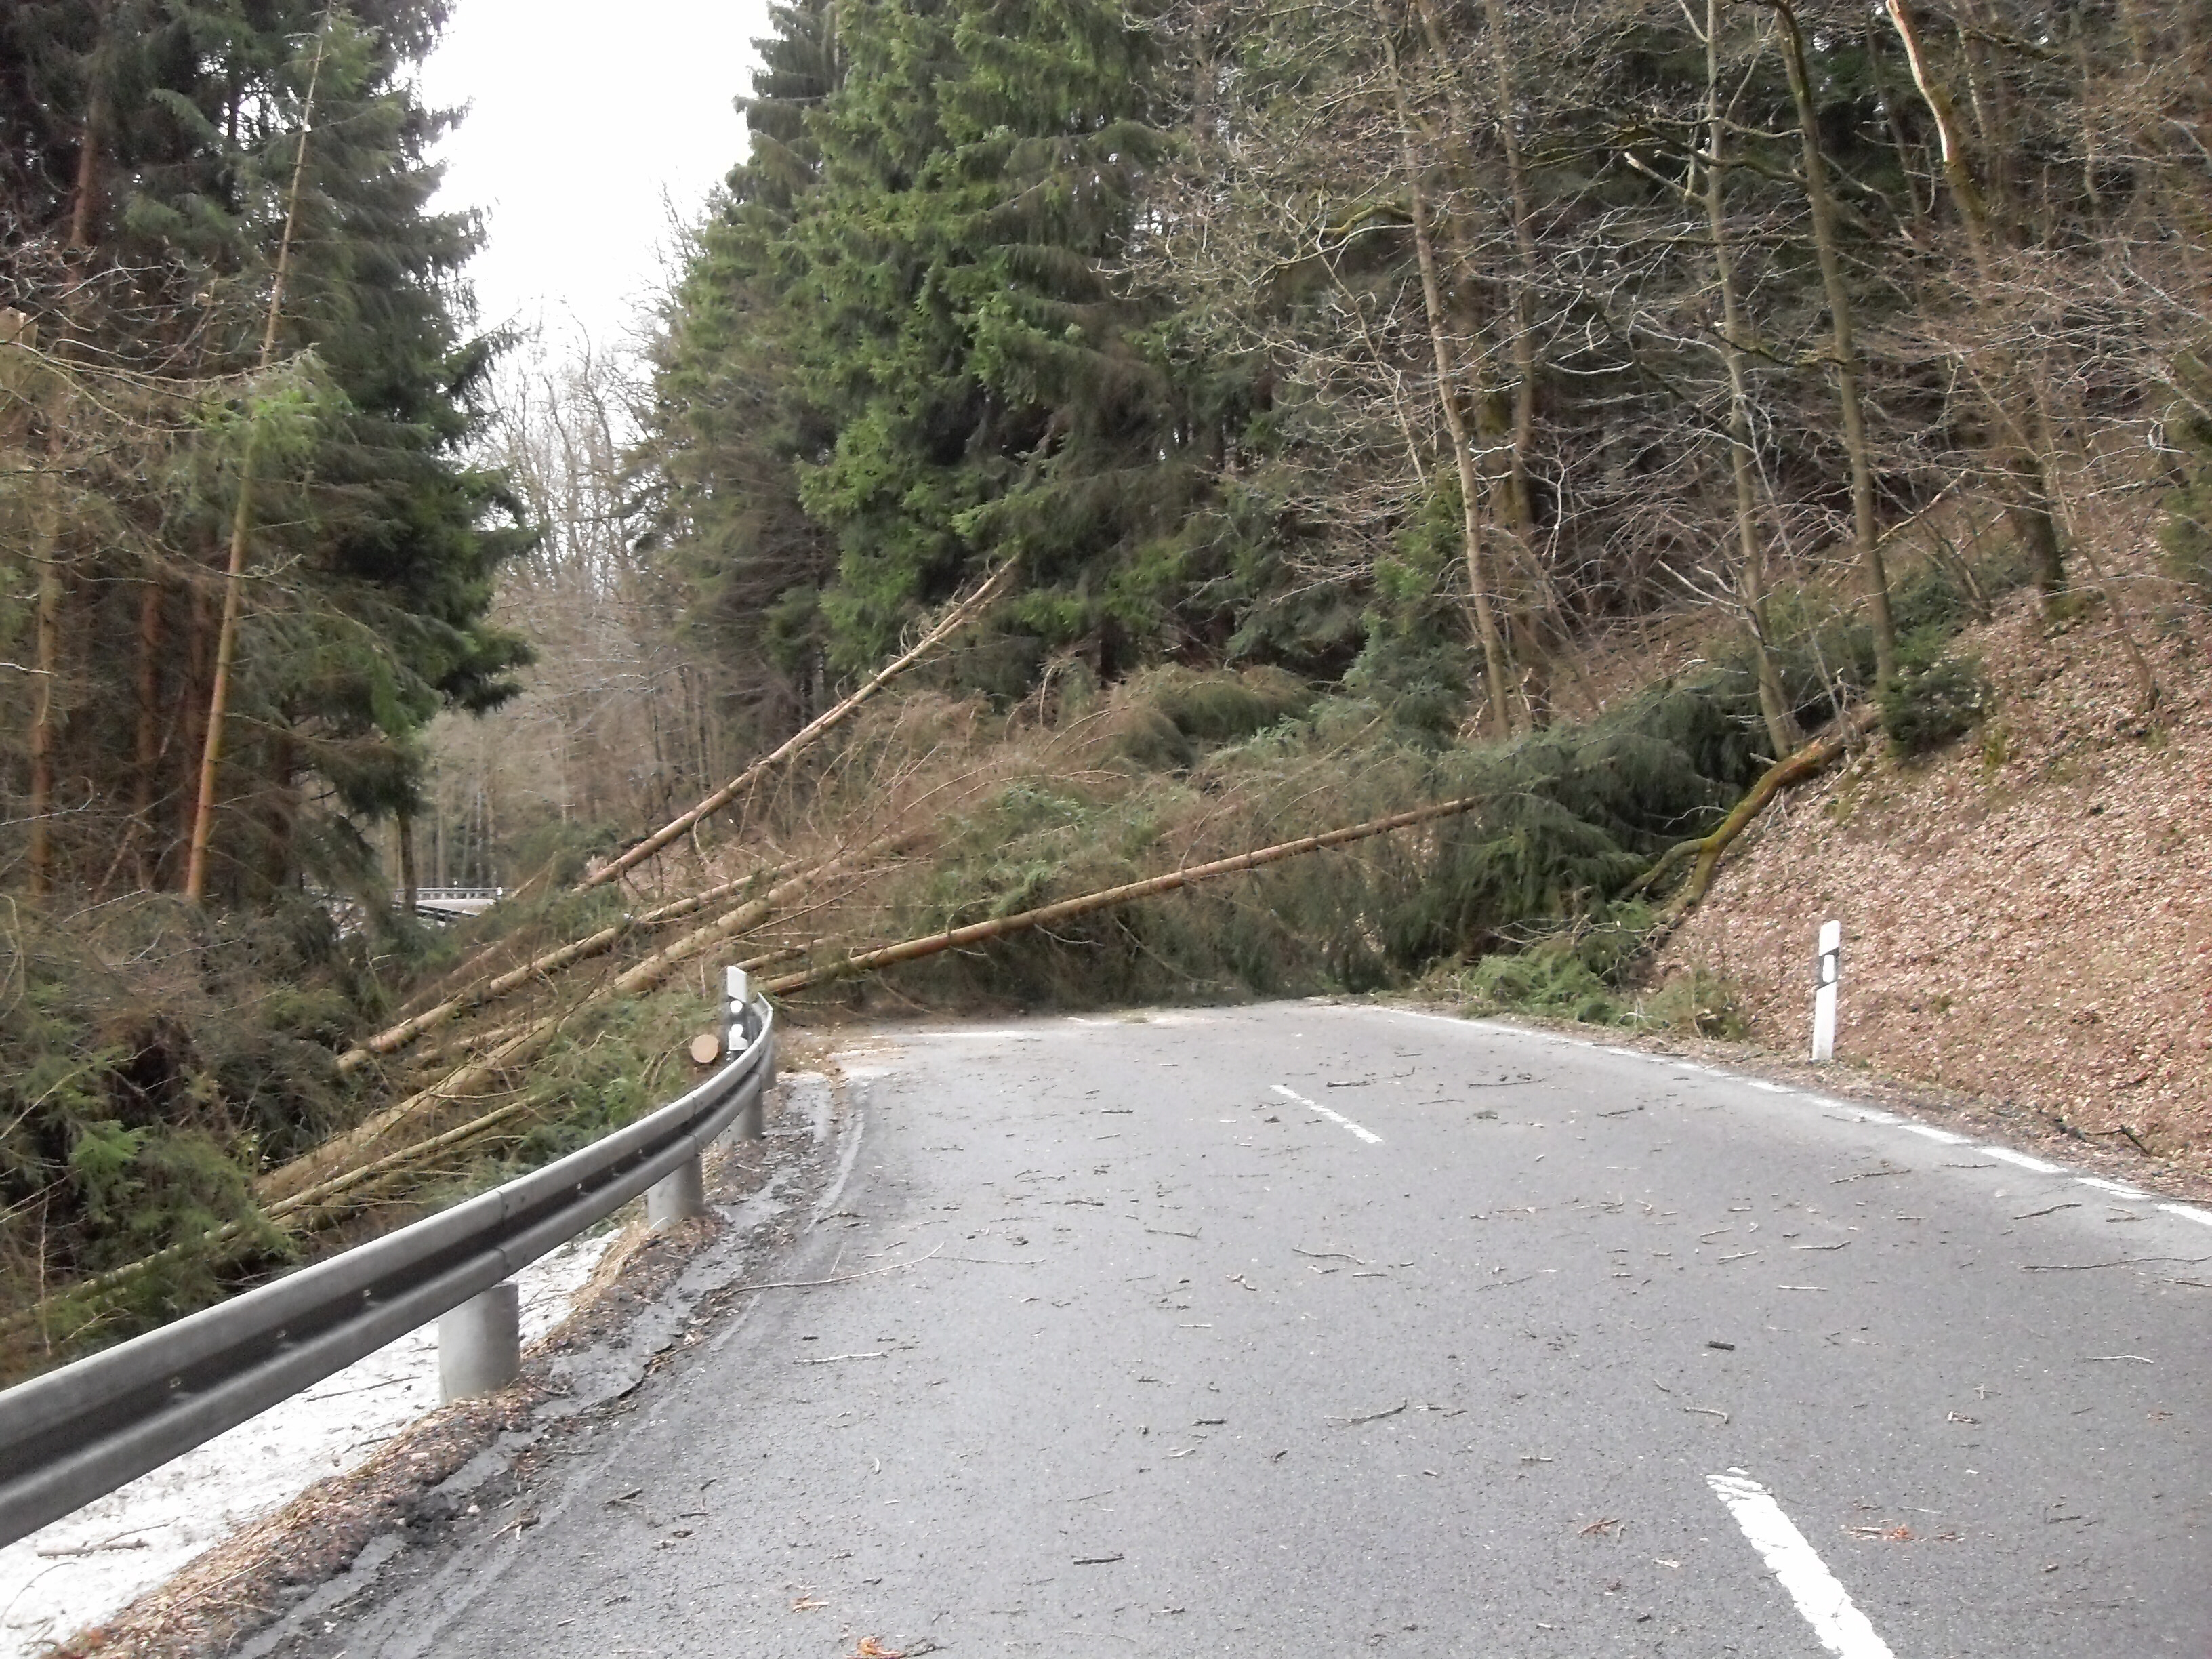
pixel 1548 979
pixel 1698 1003
pixel 1934 699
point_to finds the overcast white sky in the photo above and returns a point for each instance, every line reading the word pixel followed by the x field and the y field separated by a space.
pixel 584 118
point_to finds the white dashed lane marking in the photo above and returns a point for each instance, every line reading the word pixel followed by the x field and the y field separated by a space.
pixel 1828 1607
pixel 1337 1118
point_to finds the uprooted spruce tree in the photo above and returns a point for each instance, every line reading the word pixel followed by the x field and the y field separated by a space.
pixel 1124 502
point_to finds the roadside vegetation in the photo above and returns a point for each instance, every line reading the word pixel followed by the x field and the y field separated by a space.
pixel 1084 447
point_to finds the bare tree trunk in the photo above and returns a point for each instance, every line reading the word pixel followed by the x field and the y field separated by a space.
pixel 930 945
pixel 1487 638
pixel 1751 555
pixel 1845 347
pixel 47 663
pixel 88 190
pixel 1519 513
pixel 404 830
pixel 146 755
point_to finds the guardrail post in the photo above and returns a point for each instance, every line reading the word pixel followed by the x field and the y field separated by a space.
pixel 677 1196
pixel 480 1344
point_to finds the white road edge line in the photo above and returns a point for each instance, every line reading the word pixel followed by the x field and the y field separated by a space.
pixel 1944 1135
pixel 2111 1187
pixel 1869 1114
pixel 1828 1607
pixel 1337 1118
pixel 2022 1159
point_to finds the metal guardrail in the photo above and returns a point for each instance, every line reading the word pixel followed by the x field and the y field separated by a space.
pixel 79 1432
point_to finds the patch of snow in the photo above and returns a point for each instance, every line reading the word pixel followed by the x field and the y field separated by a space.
pixel 93 1564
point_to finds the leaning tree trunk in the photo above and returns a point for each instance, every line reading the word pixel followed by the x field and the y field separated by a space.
pixel 2022 472
pixel 241 521
pixel 958 617
pixel 1705 853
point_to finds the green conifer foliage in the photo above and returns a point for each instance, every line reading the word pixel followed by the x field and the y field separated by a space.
pixel 907 279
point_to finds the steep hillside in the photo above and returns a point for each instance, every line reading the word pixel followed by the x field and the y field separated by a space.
pixel 2027 915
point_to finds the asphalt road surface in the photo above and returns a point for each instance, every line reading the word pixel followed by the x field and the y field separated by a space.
pixel 1331 1330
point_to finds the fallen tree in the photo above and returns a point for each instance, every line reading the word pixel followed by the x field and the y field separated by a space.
pixel 485 1071
pixel 930 945
pixel 393 1038
pixel 958 617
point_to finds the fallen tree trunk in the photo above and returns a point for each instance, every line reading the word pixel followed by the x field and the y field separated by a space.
pixel 956 619
pixel 929 944
pixel 396 1037
pixel 338 1152
pixel 1810 761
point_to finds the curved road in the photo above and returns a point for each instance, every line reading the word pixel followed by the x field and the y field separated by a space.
pixel 1341 1330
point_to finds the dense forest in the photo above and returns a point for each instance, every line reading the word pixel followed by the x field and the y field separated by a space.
pixel 1300 411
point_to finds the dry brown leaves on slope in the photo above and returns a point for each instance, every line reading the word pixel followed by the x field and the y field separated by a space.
pixel 2029 915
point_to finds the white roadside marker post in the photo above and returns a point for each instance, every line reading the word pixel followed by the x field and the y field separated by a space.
pixel 1827 968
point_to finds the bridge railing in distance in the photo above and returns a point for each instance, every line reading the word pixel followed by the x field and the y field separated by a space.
pixel 79 1432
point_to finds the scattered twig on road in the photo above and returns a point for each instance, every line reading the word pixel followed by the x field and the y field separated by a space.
pixel 1802 1287
pixel 1601 1526
pixel 2090 1266
pixel 1708 1411
pixel 1327 1255
pixel 1869 1174
pixel 521 1523
pixel 2052 1209
pixel 1840 1244
pixel 2113 1358
pixel 1372 1417
pixel 832 1359
pixel 1097 1560
pixel 121 1540
pixel 841 1279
